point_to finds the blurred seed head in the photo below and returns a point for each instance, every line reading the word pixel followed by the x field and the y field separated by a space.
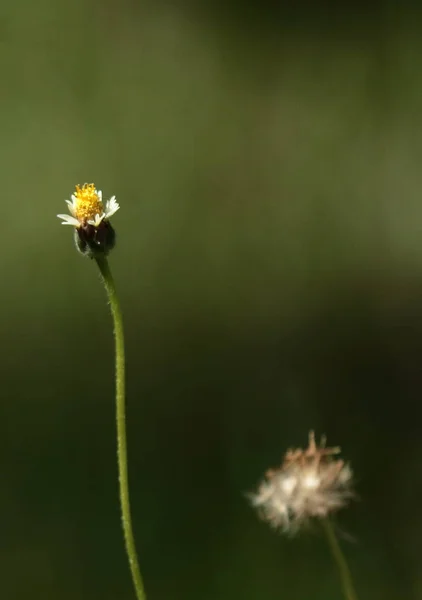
pixel 310 483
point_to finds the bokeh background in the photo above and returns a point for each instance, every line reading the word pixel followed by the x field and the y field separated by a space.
pixel 267 160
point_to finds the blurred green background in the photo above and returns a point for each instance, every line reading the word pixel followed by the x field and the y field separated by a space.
pixel 268 165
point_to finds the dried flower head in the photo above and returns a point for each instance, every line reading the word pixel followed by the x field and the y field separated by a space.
pixel 309 483
pixel 90 217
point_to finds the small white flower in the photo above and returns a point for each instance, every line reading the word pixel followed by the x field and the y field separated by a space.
pixel 86 207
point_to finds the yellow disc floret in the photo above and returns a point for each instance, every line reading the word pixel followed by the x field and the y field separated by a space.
pixel 87 202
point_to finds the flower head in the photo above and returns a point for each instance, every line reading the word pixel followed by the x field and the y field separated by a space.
pixel 86 207
pixel 90 218
pixel 309 483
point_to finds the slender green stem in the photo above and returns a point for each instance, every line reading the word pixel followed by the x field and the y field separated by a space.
pixel 340 560
pixel 121 426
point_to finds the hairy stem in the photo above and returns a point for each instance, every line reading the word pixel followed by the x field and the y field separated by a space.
pixel 340 560
pixel 121 425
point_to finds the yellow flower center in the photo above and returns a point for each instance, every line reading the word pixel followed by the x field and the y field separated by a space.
pixel 88 203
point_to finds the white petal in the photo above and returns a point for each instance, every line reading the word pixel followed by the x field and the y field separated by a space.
pixel 97 221
pixel 100 195
pixel 111 207
pixel 69 220
pixel 71 206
